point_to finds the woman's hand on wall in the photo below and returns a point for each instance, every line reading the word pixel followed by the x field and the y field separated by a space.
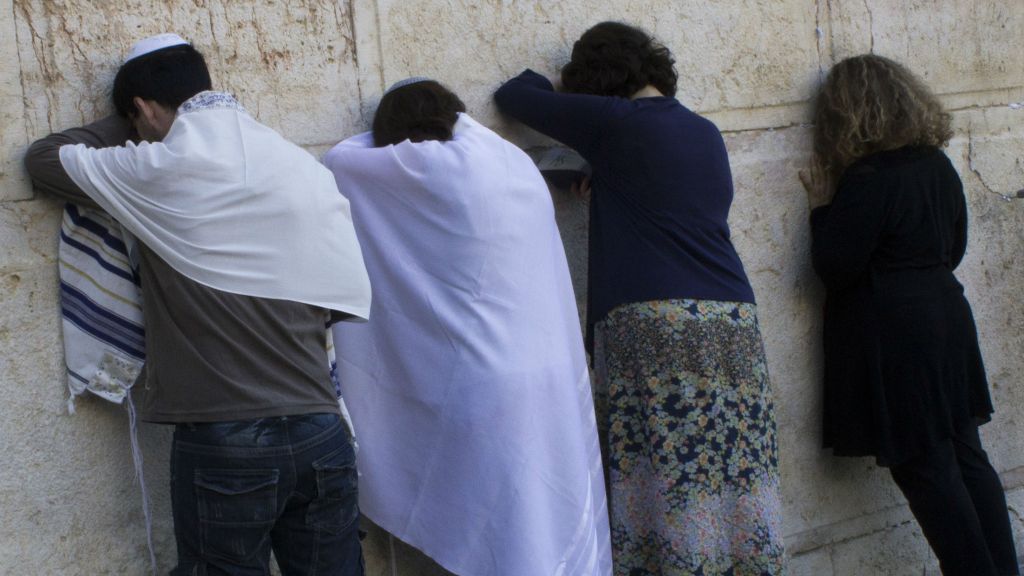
pixel 818 191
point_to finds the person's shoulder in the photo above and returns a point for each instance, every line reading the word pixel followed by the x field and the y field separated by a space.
pixel 895 169
pixel 932 162
pixel 341 150
pixel 665 110
pixel 468 128
pixel 862 174
pixel 899 158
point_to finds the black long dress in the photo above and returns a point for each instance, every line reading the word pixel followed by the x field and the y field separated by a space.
pixel 902 365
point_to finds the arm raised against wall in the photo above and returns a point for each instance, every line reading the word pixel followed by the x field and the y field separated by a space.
pixel 43 157
pixel 575 120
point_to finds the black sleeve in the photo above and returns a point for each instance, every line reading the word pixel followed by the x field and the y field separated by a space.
pixel 575 120
pixel 959 247
pixel 42 161
pixel 845 234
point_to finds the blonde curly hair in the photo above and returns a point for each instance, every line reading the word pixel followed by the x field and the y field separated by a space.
pixel 868 104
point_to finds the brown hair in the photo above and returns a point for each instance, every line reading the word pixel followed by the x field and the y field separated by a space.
pixel 868 104
pixel 423 110
pixel 616 59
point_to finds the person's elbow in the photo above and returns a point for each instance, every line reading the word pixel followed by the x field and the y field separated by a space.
pixel 503 97
pixel 515 89
pixel 48 175
pixel 40 155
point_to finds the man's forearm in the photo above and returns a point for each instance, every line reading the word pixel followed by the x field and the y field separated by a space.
pixel 43 158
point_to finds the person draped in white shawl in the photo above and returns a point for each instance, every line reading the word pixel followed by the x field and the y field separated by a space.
pixel 468 388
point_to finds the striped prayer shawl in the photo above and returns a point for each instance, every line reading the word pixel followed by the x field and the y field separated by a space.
pixel 101 313
pixel 101 306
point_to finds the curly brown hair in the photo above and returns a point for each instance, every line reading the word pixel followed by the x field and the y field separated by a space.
pixel 616 59
pixel 868 104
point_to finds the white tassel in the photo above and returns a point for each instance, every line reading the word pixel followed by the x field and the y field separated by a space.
pixel 139 475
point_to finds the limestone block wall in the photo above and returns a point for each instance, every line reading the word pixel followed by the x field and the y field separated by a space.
pixel 314 70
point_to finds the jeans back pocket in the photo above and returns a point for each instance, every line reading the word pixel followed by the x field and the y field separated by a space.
pixel 236 509
pixel 336 505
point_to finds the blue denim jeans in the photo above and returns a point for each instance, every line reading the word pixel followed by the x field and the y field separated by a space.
pixel 240 489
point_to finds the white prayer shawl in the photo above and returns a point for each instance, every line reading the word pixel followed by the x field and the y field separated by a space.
pixel 469 387
pixel 232 205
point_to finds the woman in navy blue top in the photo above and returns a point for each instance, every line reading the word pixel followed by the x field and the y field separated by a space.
pixel 671 315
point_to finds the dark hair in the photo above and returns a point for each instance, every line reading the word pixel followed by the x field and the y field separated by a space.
pixel 870 103
pixel 170 76
pixel 420 111
pixel 616 59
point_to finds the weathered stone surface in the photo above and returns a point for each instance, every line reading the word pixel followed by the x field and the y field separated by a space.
pixel 28 234
pixel 1015 502
pixel 315 70
pixel 816 563
pixel 956 46
pixel 897 550
pixel 571 213
pixel 69 501
pixel 475 47
pixel 12 111
pixel 292 64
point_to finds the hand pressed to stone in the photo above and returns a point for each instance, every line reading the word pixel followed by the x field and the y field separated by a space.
pixel 817 187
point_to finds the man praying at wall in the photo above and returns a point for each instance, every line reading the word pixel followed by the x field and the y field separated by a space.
pixel 245 255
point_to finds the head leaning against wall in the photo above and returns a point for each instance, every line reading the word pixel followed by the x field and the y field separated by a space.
pixel 149 88
pixel 869 104
pixel 616 59
pixel 417 109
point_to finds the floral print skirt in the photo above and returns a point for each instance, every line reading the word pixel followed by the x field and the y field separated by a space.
pixel 691 449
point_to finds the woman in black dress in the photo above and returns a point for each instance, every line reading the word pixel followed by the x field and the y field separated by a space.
pixel 904 379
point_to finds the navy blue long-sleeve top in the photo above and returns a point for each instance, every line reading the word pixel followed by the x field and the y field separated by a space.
pixel 661 192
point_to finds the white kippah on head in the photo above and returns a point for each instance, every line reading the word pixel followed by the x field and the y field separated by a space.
pixel 154 43
pixel 406 82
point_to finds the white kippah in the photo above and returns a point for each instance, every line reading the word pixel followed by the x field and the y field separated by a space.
pixel 406 82
pixel 154 43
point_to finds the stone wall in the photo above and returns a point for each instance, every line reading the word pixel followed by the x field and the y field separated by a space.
pixel 314 69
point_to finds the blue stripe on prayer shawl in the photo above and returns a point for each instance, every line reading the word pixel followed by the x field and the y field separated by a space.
pixel 85 326
pixel 129 328
pixel 101 323
pixel 112 268
pixel 80 317
pixel 96 228
pixel 76 375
